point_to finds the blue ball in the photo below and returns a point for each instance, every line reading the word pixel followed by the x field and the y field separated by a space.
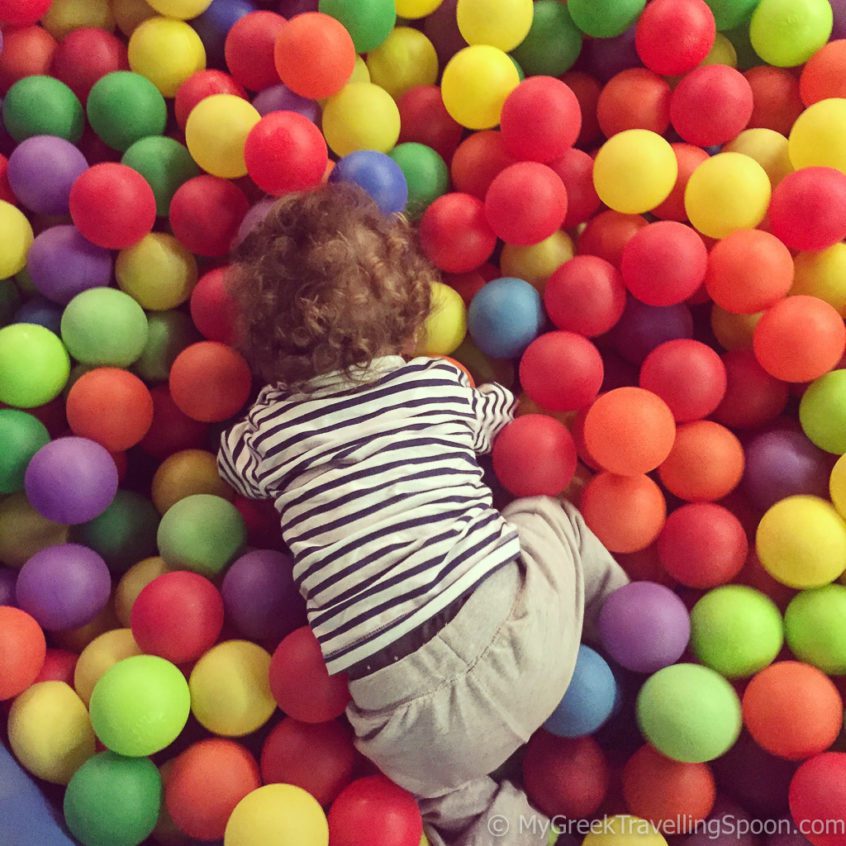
pixel 590 699
pixel 377 174
pixel 505 316
pixel 41 311
pixel 214 24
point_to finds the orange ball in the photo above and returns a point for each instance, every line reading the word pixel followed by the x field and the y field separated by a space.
pixel 629 431
pixel 688 158
pixel 799 339
pixel 824 75
pixel 775 98
pixel 607 234
pixel 705 464
pixel 626 513
pixel 635 98
pixel 22 651
pixel 110 406
pixel 205 784
pixel 793 710
pixel 27 51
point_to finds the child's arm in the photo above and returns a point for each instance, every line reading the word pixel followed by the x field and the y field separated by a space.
pixel 494 406
pixel 237 461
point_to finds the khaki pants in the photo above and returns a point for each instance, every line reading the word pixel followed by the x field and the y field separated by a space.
pixel 440 720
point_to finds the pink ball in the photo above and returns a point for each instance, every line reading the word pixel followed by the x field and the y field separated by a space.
pixel 673 36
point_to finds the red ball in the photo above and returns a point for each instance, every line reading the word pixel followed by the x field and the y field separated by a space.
pixel 541 119
pixel 27 51
pixel 561 371
pixel 210 381
pixel 635 98
pixel 824 74
pixel 664 263
pixel 775 94
pixel 22 651
pixel 59 665
pixel 818 794
pixel 424 119
pixel 212 307
pixel 285 152
pixel 455 233
pixel 318 757
pixel 249 49
pixel 478 160
pixel 300 682
pixel 688 375
pixel 6 193
pixel 607 234
pixel 808 208
pixel 688 159
pixel 703 545
pixel 534 455
pixel 200 85
pixel 658 31
pixel 86 55
pixel 22 12
pixel 171 430
pixel 575 168
pixel 178 616
pixel 585 295
pixel 113 206
pixel 526 203
pixel 374 811
pixel 587 91
pixel 205 214
pixel 466 284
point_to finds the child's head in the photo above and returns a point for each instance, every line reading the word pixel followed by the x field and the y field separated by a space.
pixel 328 282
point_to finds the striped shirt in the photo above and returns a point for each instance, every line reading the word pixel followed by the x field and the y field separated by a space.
pixel 380 496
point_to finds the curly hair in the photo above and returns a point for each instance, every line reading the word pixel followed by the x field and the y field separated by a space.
pixel 327 282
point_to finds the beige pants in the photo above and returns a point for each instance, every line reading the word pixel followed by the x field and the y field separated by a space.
pixel 440 720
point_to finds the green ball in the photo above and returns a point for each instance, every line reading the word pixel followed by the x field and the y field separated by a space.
pixel 689 713
pixel 202 533
pixel 113 801
pixel 165 164
pixel 736 630
pixel 746 55
pixel 10 300
pixel 21 436
pixel 786 33
pixel 553 43
pixel 731 13
pixel 41 105
pixel 425 172
pixel 369 22
pixel 124 107
pixel 169 333
pixel 605 18
pixel 34 365
pixel 104 326
pixel 815 622
pixel 140 705
pixel 822 412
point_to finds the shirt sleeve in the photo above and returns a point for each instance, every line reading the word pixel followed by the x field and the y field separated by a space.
pixel 238 462
pixel 493 407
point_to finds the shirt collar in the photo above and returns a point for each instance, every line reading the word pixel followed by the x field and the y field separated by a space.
pixel 358 377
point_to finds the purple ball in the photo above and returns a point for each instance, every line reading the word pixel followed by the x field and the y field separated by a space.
pixel 253 218
pixel 606 57
pixel 839 9
pixel 643 327
pixel 260 597
pixel 722 827
pixel 441 28
pixel 644 627
pixel 280 98
pixel 8 577
pixel 62 264
pixel 71 480
pixel 64 586
pixel 42 170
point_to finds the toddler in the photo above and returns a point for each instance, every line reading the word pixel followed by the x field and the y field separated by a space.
pixel 457 625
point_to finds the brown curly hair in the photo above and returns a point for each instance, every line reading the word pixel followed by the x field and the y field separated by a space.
pixel 327 282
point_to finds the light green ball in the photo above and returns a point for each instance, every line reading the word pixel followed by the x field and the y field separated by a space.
pixel 605 18
pixel 815 622
pixel 786 33
pixel 822 412
pixel 553 43
pixel 736 630
pixel 34 365
pixel 169 332
pixel 21 436
pixel 140 706
pixel 689 713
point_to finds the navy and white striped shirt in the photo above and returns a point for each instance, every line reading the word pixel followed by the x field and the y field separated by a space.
pixel 380 496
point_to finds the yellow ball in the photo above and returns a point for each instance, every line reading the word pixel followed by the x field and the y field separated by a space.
pixel 216 132
pixel 412 9
pixel 476 82
pixel 130 14
pixel 404 60
pixel 65 16
pixel 185 473
pixel 133 581
pixel 17 237
pixel 182 9
pixel 49 731
pixel 722 53
pixel 725 193
pixel 801 541
pixel 822 274
pixel 837 485
pixel 23 531
pixel 281 814
pixel 157 272
pixel 635 171
pixel 768 147
pixel 361 73
pixel 361 116
pixel 482 368
pixel 816 139
pixel 101 655
pixel 500 23
pixel 230 689
pixel 446 325
pixel 734 331
pixel 167 52
pixel 537 262
pixel 624 830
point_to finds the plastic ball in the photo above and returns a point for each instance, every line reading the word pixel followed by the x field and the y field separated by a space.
pixel 819 273
pixel 164 163
pixel 505 316
pixel 216 132
pixel 606 19
pixel 426 175
pixel 211 307
pixel 656 35
pixel 816 794
pixel 786 34
pixel 23 651
pixel 768 147
pixel 25 531
pixel 502 25
pixel 822 410
pixel 205 214
pixel 446 325
pixel 23 13
pixel 198 86
pixel 282 813
pixel 42 105
pixel 404 60
pixel 86 55
pixel 169 332
pixel 351 812
pixel 129 14
pixel 689 713
pixel 753 397
pixel 553 43
pixel 635 98
pixel 813 138
pixel 172 429
pixel 635 171
pixel 124 107
pixel 249 49
pixel 368 24
pixel 425 120
pixel 34 365
pixel 132 582
pixel 17 241
pixel 808 208
pixel 376 173
pixel 42 170
pixel 65 16
pixel 777 103
pixel 575 168
pixel 214 24
pixel 361 116
pixel 167 52
pixel 22 435
pixel 185 473
pixel 822 77
pixel 102 653
pixel 456 237
pixel 814 628
pixel 477 160
pixel 585 295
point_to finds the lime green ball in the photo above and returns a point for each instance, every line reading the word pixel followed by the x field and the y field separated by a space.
pixel 786 33
pixel 34 365
pixel 689 713
pixel 104 326
pixel 41 105
pixel 202 533
pixel 21 436
pixel 731 13
pixel 369 22
pixel 124 107
pixel 736 631
pixel 140 705
pixel 425 172
pixel 113 801
pixel 605 18
pixel 169 332
pixel 164 163
pixel 822 412
pixel 815 622
pixel 553 43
